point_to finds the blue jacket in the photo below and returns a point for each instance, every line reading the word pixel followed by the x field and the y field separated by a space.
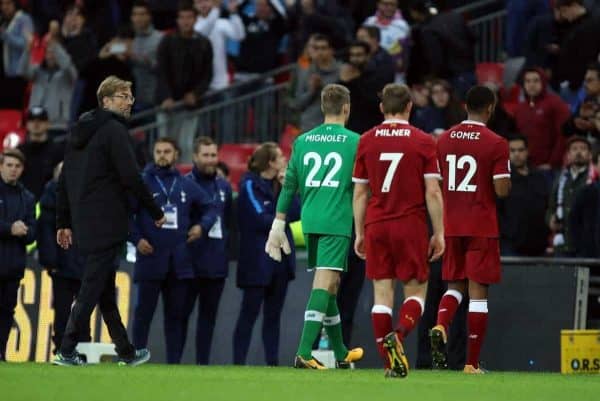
pixel 16 203
pixel 209 254
pixel 60 263
pixel 256 210
pixel 194 206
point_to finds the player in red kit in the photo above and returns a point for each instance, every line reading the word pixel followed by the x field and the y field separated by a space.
pixel 396 178
pixel 475 169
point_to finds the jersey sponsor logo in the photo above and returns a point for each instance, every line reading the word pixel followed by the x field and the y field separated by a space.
pixel 325 138
pixel 470 135
pixel 392 132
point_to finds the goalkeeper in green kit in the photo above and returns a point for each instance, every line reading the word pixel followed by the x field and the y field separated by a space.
pixel 320 169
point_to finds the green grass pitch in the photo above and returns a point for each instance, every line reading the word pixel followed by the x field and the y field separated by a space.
pixel 108 382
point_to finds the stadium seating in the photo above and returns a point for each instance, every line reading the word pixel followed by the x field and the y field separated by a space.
pixel 11 128
pixel 236 156
pixel 185 168
pixel 490 72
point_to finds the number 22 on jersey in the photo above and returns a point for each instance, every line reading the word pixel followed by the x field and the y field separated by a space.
pixel 329 181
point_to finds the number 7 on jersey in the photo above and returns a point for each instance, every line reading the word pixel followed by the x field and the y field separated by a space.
pixel 389 175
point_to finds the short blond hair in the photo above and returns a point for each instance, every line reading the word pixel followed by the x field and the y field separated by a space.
pixel 333 98
pixel 395 98
pixel 110 86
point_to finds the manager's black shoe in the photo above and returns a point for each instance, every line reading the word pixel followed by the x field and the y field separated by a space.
pixel 68 360
pixel 140 356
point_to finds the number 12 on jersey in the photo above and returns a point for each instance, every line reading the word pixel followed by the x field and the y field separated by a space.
pixel 453 164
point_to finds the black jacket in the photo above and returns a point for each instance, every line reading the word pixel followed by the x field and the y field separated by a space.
pixel 578 50
pixel 82 48
pixel 364 96
pixel 184 65
pixel 262 37
pixel 522 214
pixel 444 46
pixel 16 203
pixel 40 160
pixel 59 262
pixel 99 173
pixel 543 31
pixel 584 222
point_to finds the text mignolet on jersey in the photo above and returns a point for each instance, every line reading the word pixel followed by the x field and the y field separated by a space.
pixel 325 138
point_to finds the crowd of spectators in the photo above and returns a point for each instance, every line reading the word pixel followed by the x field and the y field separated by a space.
pixel 67 47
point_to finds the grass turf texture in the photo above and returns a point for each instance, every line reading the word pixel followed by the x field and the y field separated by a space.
pixel 172 383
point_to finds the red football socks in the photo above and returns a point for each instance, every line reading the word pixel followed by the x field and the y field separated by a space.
pixel 409 316
pixel 381 316
pixel 447 309
pixel 477 325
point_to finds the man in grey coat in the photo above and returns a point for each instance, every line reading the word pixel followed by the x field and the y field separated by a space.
pixel 143 60
pixel 53 82
pixel 324 69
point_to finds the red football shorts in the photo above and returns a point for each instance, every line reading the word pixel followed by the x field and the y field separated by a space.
pixel 397 249
pixel 473 258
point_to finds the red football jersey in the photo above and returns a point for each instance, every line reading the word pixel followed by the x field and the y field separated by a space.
pixel 471 157
pixel 394 158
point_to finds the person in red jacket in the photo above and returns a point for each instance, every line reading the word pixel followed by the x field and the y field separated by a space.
pixel 539 116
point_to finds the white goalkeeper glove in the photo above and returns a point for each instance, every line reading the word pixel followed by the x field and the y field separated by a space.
pixel 277 240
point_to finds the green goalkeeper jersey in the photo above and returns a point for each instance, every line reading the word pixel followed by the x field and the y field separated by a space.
pixel 320 169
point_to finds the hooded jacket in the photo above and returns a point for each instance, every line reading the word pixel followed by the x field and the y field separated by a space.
pixel 99 173
pixel 540 119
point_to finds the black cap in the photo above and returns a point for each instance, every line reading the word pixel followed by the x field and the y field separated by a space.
pixel 37 113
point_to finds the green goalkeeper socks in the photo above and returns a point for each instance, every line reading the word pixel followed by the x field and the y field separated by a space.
pixel 313 319
pixel 333 326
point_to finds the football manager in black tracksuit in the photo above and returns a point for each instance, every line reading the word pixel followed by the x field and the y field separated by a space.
pixel 99 174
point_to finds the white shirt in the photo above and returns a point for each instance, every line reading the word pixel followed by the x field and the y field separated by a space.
pixel 218 30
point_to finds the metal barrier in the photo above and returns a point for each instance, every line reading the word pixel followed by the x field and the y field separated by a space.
pixel 213 96
pixel 479 6
pixel 490 33
pixel 255 117
pixel 487 18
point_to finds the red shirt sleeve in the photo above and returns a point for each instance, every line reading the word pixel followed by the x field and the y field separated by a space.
pixel 360 174
pixel 432 166
pixel 501 167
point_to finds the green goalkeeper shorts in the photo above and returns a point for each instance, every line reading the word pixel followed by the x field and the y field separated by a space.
pixel 329 252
